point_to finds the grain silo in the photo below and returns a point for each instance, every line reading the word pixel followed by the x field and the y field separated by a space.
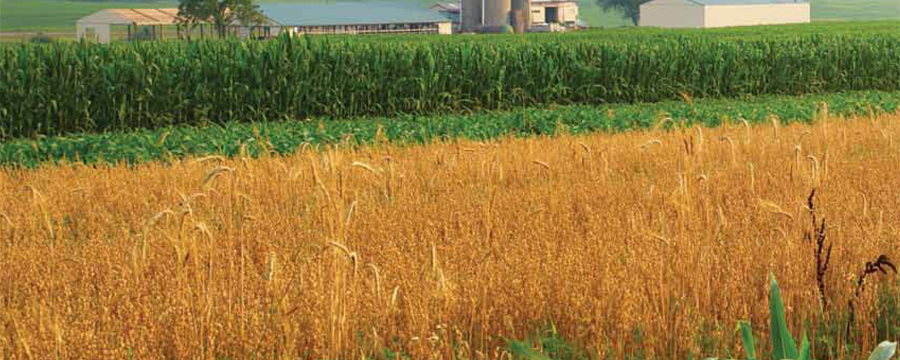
pixel 496 12
pixel 520 15
pixel 471 15
pixel 481 15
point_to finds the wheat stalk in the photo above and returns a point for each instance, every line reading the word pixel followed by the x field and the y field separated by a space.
pixel 394 296
pixel 662 123
pixel 746 131
pixel 774 120
pixel 699 139
pixel 213 173
pixel 541 164
pixel 203 229
pixel 162 138
pixel 823 112
pixel 651 142
pixel 775 209
pixel 209 158
pixel 377 279
pixel 352 256
pixel 752 178
pixel 8 221
pixel 730 144
pixel 39 199
pixel 815 170
pixel 350 214
pixel 271 272
pixel 366 167
pixel 865 204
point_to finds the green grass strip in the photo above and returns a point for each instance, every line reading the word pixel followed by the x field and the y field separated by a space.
pixel 172 143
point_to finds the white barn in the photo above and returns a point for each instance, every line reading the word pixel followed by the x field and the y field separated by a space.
pixel 721 13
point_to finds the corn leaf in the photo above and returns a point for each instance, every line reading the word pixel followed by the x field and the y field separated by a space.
pixel 523 351
pixel 783 346
pixel 747 335
pixel 884 351
pixel 804 349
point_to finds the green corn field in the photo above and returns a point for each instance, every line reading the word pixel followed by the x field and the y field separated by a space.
pixel 62 88
pixel 286 137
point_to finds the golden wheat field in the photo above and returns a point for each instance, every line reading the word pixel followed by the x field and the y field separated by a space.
pixel 636 243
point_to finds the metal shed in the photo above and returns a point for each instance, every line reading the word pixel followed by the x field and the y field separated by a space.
pixel 721 13
pixel 357 18
pixel 450 11
pixel 96 27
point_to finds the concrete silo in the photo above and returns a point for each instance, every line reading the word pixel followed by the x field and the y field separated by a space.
pixel 471 15
pixel 482 15
pixel 520 15
pixel 496 12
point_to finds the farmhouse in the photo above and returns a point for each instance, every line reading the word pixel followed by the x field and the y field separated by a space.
pixel 720 13
pixel 356 18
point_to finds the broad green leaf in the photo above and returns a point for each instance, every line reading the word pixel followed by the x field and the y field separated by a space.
pixel 522 350
pixel 747 335
pixel 884 351
pixel 783 346
pixel 804 349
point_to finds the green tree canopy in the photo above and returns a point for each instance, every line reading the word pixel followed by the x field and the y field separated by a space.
pixel 631 9
pixel 220 12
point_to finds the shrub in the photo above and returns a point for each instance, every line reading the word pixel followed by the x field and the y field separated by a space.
pixel 40 38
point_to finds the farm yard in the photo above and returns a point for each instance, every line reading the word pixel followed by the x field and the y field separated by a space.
pixel 608 194
pixel 21 18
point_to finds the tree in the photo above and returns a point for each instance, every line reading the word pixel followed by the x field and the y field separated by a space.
pixel 631 9
pixel 221 12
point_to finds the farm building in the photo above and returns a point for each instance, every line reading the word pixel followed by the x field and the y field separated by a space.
pixel 721 13
pixel 546 13
pixel 355 18
pixel 450 11
pixel 530 15
pixel 148 23
pixel 331 18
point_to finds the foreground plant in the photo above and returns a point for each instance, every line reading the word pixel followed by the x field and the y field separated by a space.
pixel 783 345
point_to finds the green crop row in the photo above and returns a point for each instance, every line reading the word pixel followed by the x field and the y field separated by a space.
pixel 746 33
pixel 73 87
pixel 285 137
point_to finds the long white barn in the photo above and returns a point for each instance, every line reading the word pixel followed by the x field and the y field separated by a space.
pixel 721 13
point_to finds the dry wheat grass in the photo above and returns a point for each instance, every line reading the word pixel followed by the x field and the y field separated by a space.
pixel 441 251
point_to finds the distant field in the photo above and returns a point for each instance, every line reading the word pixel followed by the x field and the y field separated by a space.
pixel 855 9
pixel 60 16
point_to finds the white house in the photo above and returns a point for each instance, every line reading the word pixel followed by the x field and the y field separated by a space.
pixel 720 13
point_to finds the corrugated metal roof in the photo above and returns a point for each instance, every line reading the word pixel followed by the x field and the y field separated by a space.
pixel 745 2
pixel 133 16
pixel 349 13
pixel 445 7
